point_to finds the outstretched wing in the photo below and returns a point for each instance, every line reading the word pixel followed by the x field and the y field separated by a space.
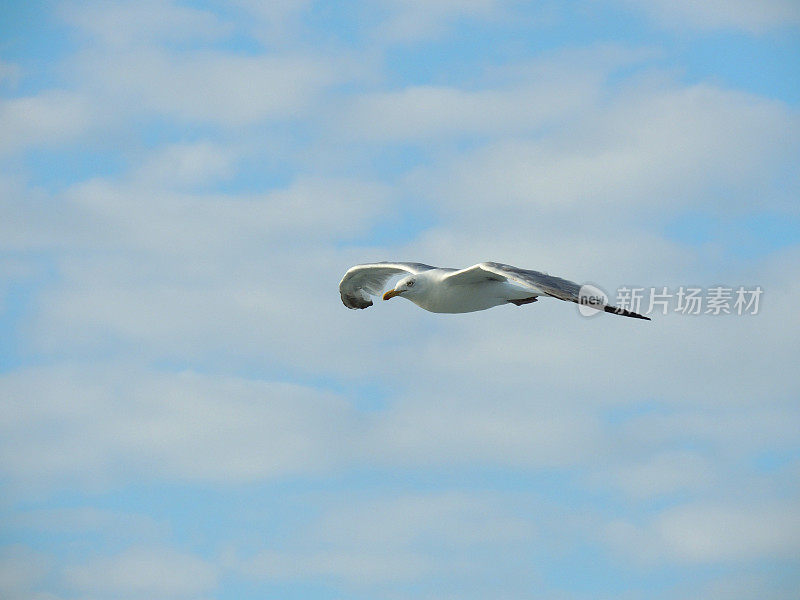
pixel 362 280
pixel 540 284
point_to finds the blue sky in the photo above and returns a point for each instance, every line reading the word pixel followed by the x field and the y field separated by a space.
pixel 190 412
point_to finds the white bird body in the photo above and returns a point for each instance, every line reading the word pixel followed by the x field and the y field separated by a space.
pixel 464 297
pixel 475 288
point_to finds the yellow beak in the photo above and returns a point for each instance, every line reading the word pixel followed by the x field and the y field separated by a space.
pixel 391 294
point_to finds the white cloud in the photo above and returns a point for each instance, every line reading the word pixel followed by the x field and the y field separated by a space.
pixel 742 586
pixel 651 151
pixel 95 427
pixel 48 119
pixel 739 428
pixel 714 533
pixel 147 214
pixel 186 164
pixel 519 101
pixel 664 473
pixel 275 23
pixel 356 567
pixel 446 519
pixel 142 425
pixel 412 20
pixel 707 532
pixel 745 15
pixel 435 428
pixel 217 264
pixel 158 58
pixel 411 538
pixel 126 23
pixel 273 11
pixel 195 86
pixel 430 112
pixel 21 572
pixel 144 572
pixel 114 422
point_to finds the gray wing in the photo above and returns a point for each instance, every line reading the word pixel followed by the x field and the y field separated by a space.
pixel 362 280
pixel 539 283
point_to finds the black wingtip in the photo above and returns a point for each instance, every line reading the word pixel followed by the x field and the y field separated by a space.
pixel 614 310
pixel 355 301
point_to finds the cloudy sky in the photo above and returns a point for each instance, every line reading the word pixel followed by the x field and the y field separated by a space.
pixel 188 411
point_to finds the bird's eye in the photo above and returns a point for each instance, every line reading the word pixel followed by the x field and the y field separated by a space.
pixel 410 284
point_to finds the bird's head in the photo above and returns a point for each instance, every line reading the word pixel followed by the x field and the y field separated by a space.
pixel 407 286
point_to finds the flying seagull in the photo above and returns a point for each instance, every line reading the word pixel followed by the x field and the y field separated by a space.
pixel 444 290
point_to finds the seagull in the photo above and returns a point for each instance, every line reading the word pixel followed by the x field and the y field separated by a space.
pixel 481 286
